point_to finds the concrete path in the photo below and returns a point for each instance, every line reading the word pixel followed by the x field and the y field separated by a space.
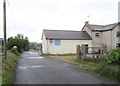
pixel 35 69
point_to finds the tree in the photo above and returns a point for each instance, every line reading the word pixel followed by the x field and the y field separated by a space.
pixel 35 46
pixel 32 45
pixel 20 41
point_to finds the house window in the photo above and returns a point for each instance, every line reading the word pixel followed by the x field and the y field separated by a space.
pixel 118 34
pixel 118 45
pixel 57 42
pixel 54 42
pixel 50 41
pixel 97 34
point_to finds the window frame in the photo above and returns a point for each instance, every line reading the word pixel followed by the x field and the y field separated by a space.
pixel 57 42
pixel 118 34
pixel 54 41
pixel 117 45
pixel 51 41
pixel 97 34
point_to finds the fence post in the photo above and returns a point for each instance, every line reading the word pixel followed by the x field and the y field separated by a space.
pixel 78 52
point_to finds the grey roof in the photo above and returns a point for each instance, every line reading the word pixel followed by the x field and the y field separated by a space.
pixel 67 35
pixel 102 27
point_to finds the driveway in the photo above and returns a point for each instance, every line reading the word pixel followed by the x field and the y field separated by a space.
pixel 35 69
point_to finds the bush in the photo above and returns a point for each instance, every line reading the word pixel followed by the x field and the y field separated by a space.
pixel 21 42
pixel 113 56
pixel 110 71
pixel 8 68
pixel 14 50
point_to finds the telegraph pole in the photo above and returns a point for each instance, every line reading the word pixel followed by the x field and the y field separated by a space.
pixel 4 28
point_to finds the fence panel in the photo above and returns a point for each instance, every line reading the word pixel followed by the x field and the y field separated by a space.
pixel 92 52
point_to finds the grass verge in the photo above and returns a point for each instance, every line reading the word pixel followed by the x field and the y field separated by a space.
pixel 8 68
pixel 110 71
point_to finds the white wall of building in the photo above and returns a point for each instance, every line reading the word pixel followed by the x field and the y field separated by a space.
pixel 44 45
pixel 67 46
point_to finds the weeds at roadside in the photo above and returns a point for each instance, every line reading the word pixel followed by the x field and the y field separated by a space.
pixel 8 68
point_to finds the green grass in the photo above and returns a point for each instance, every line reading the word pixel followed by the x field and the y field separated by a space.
pixel 111 71
pixel 70 54
pixel 88 65
pixel 8 68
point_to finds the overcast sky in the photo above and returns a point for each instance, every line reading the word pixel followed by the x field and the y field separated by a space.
pixel 30 17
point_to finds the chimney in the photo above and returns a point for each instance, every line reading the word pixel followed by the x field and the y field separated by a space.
pixel 86 22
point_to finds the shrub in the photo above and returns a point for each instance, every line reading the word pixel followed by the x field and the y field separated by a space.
pixel 113 56
pixel 21 42
pixel 8 68
pixel 110 71
pixel 14 50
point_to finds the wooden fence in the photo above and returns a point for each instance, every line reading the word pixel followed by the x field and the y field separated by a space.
pixel 90 52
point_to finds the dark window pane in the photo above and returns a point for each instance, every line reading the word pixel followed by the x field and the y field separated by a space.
pixel 97 34
pixel 118 45
pixel 118 34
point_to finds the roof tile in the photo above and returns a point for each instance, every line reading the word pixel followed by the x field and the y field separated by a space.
pixel 67 35
pixel 102 27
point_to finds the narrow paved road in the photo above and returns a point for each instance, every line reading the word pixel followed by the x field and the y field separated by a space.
pixel 35 69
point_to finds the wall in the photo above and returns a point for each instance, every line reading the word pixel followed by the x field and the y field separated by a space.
pixel 119 30
pixel 87 30
pixel 67 46
pixel 44 45
pixel 109 38
pixel 106 38
pixel 114 37
pixel 96 41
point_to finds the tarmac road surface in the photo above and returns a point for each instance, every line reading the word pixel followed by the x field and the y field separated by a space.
pixel 35 69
